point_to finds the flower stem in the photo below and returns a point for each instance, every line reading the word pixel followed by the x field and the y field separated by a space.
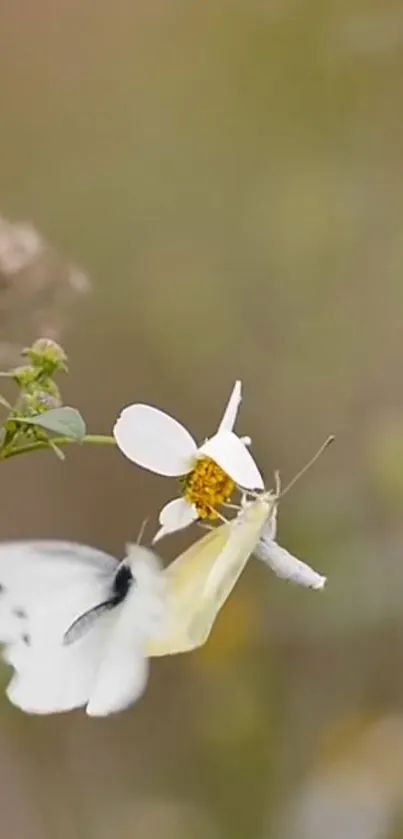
pixel 91 439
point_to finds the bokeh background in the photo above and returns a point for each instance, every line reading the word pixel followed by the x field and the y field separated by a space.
pixel 224 180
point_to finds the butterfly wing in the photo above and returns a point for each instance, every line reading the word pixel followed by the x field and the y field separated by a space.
pixel 44 588
pixel 51 678
pixel 122 674
pixel 201 579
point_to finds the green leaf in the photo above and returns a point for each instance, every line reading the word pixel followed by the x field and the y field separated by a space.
pixel 66 422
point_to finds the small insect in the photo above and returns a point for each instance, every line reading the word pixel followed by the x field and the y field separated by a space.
pixel 74 622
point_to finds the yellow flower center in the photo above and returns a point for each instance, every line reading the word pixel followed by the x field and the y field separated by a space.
pixel 207 486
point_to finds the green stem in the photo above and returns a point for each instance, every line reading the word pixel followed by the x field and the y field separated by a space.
pixel 92 439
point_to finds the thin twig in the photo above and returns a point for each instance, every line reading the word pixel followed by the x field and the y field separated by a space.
pixel 91 439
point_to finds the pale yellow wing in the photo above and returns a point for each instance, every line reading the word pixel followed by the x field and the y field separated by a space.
pixel 200 580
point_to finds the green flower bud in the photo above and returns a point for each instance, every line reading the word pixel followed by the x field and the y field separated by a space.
pixel 48 389
pixel 35 402
pixel 25 376
pixel 46 356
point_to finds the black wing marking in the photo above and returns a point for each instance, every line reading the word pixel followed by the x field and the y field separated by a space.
pixel 122 581
pixel 82 624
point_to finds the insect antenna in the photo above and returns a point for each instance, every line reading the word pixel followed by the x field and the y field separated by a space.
pixel 281 492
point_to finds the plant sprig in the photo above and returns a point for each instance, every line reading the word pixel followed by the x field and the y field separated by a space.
pixel 38 419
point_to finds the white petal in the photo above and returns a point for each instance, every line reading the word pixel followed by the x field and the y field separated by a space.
pixel 286 566
pixel 154 440
pixel 226 449
pixel 176 515
pixel 230 414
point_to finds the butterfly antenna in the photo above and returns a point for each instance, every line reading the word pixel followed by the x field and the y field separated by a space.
pixel 141 531
pixel 304 468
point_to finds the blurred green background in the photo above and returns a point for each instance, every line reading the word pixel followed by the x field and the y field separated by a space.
pixel 229 173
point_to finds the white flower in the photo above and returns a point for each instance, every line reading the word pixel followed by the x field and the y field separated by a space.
pixel 158 442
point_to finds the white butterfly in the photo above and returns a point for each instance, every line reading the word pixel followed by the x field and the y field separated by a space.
pixel 75 622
